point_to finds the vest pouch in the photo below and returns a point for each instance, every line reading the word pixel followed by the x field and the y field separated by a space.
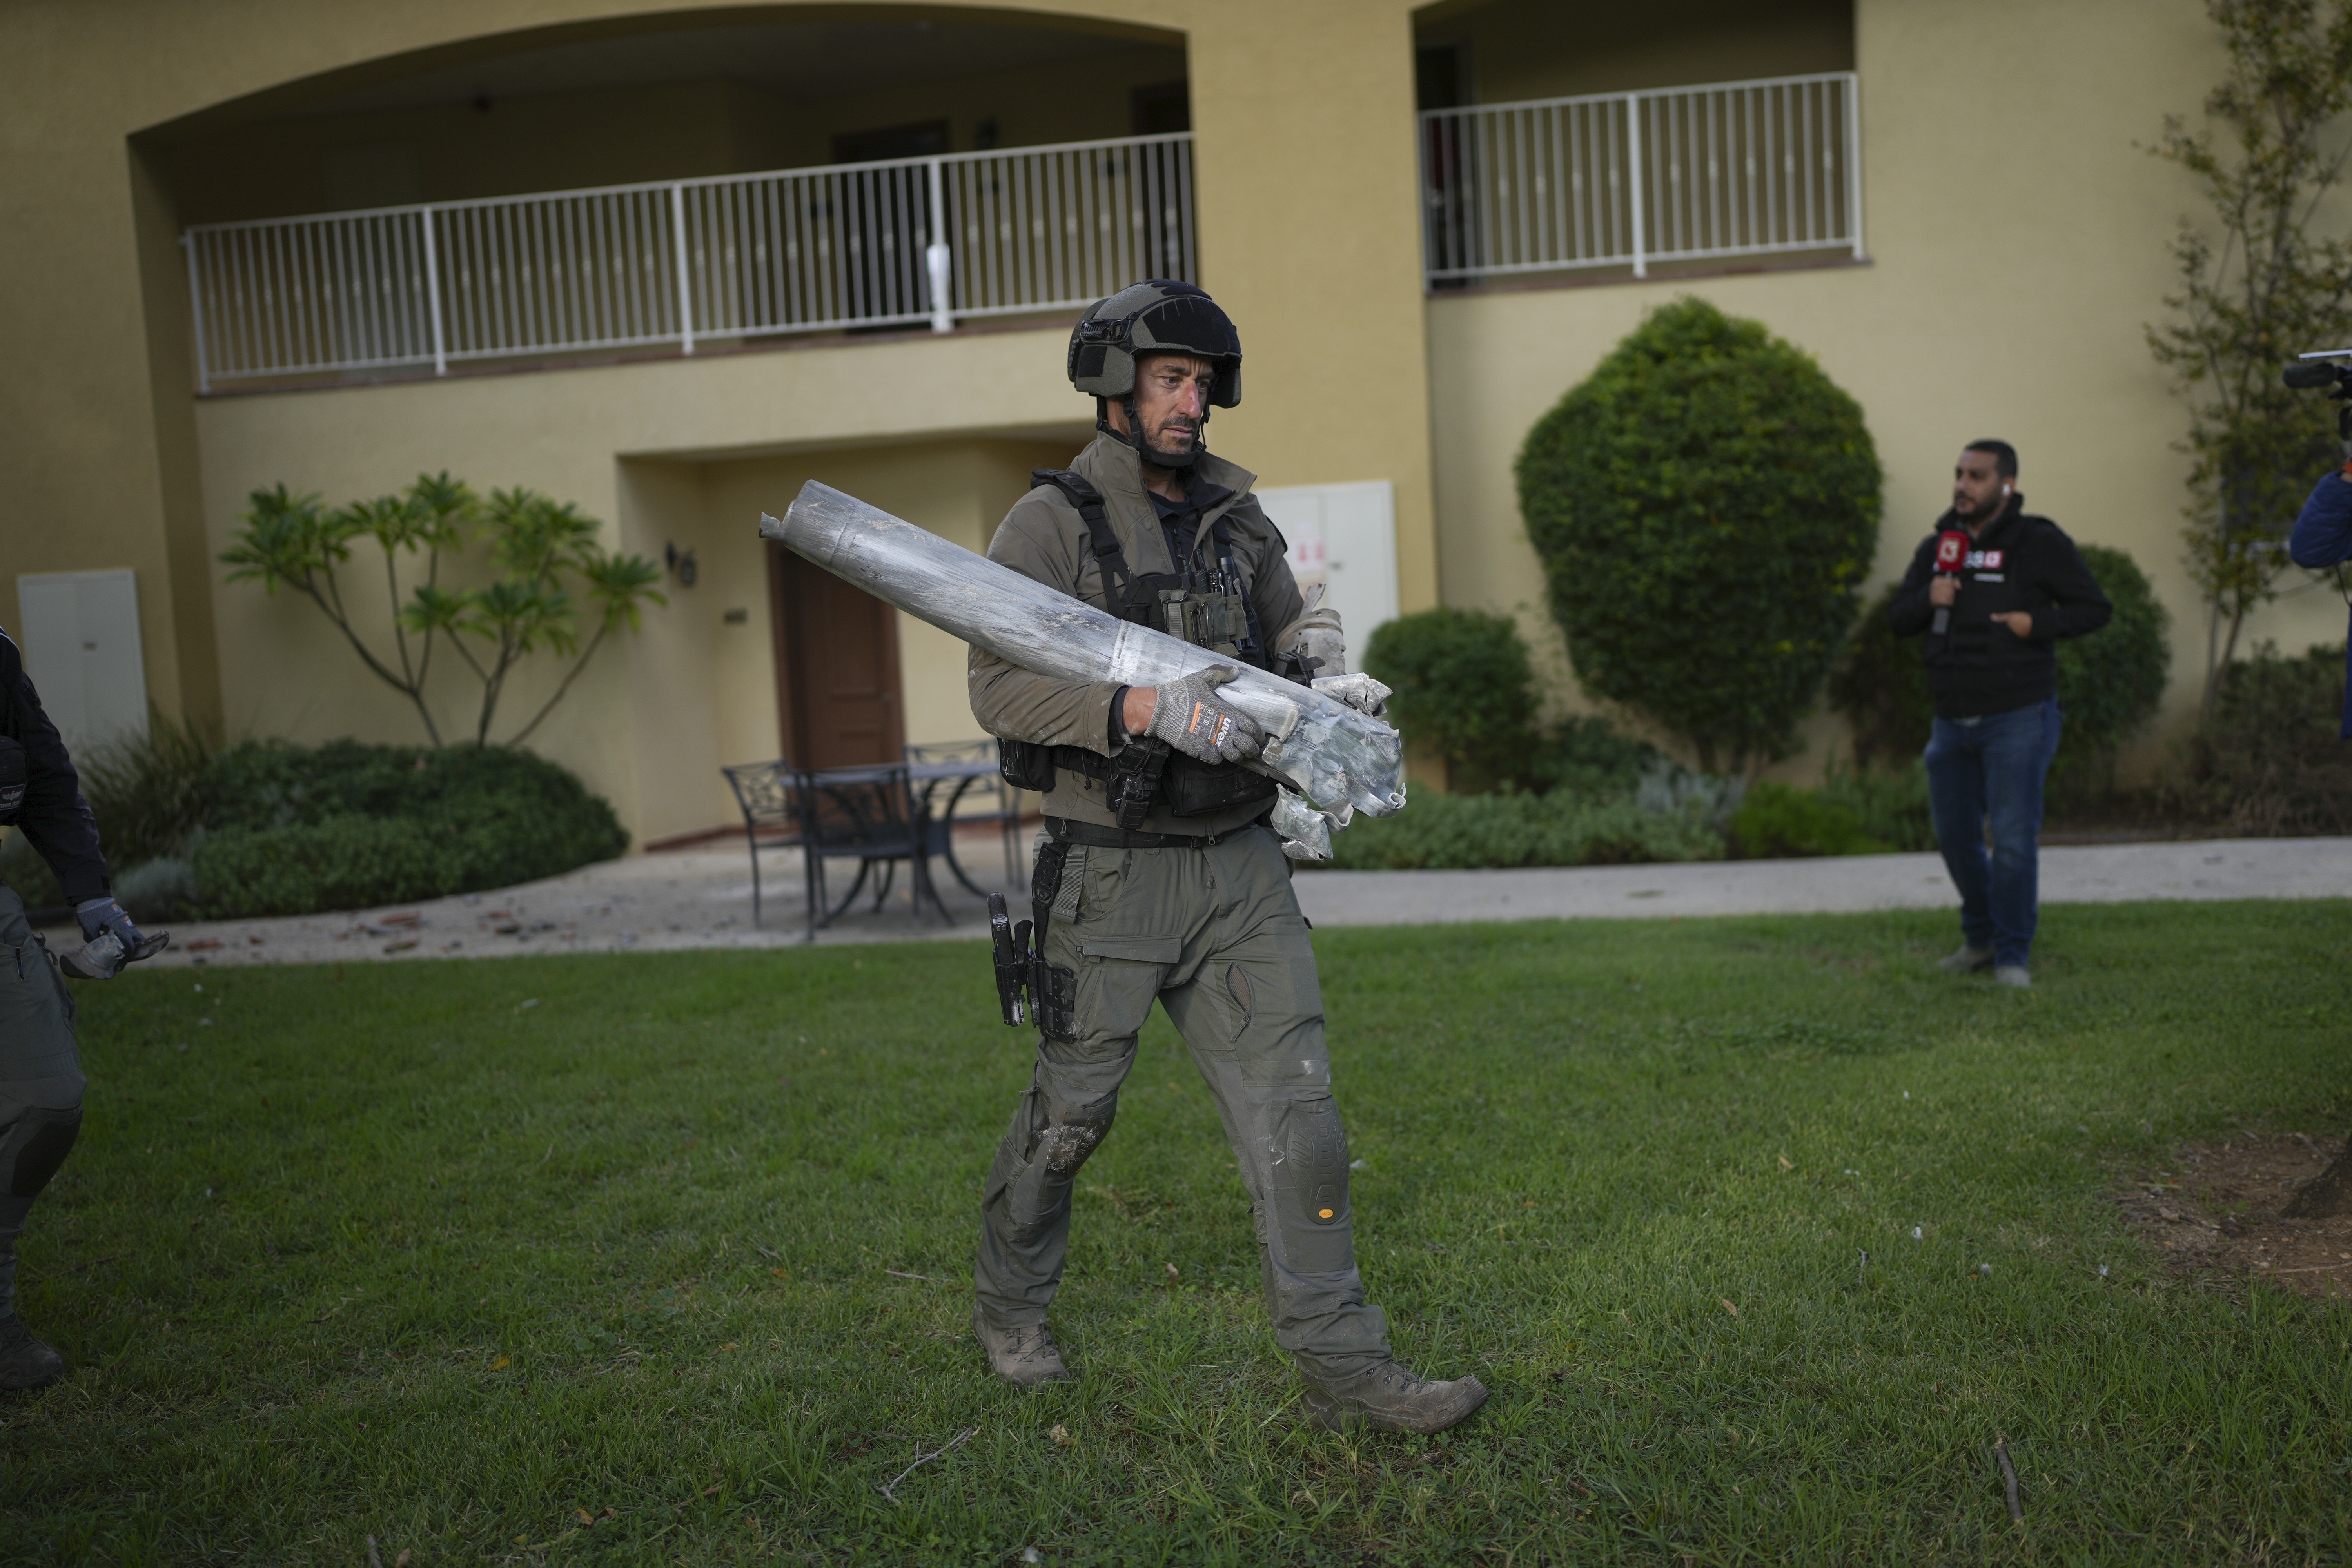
pixel 1193 788
pixel 1026 765
pixel 13 778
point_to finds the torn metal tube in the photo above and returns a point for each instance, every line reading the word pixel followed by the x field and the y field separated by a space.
pixel 1336 757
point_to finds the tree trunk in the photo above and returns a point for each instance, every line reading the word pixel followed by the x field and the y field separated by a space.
pixel 2328 1194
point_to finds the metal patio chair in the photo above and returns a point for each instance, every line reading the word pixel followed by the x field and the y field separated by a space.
pixel 769 795
pixel 870 814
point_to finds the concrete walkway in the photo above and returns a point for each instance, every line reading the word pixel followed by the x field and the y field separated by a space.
pixel 702 899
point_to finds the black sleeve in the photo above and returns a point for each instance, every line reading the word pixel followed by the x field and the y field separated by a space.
pixel 2077 604
pixel 56 820
pixel 1908 611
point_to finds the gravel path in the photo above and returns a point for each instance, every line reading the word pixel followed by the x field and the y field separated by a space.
pixel 702 899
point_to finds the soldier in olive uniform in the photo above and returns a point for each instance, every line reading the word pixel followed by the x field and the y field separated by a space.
pixel 40 1073
pixel 1192 904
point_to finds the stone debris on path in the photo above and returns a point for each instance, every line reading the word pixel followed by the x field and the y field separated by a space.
pixel 701 899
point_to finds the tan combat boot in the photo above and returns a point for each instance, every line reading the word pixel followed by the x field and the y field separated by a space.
pixel 1390 1397
pixel 1020 1355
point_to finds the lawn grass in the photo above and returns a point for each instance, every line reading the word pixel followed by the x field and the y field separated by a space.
pixel 461 1255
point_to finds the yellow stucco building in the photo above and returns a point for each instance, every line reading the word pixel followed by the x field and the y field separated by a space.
pixel 329 245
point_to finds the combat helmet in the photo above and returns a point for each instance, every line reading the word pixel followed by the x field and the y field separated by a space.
pixel 1157 316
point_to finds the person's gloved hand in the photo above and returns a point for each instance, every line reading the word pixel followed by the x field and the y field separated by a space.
pixel 1358 691
pixel 113 941
pixel 1192 716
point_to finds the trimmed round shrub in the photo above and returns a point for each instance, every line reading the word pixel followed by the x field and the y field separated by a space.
pixel 297 829
pixel 1463 686
pixel 2110 683
pixel 1705 505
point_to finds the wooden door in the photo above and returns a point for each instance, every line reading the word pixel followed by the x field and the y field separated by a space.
pixel 836 668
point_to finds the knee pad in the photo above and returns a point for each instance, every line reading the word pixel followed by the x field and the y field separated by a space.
pixel 33 1148
pixel 1311 1170
pixel 1062 1146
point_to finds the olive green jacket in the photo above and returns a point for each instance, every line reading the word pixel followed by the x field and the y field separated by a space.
pixel 1043 537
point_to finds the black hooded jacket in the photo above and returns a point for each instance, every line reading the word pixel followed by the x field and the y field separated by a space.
pixel 54 816
pixel 2018 563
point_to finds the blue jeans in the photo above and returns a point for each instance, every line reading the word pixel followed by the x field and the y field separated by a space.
pixel 1985 774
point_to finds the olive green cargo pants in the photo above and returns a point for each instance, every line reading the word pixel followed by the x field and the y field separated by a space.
pixel 1215 935
pixel 40 1078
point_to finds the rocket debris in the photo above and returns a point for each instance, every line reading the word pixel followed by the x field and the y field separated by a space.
pixel 1340 760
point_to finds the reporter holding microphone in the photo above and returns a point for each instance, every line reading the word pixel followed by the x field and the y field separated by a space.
pixel 1990 592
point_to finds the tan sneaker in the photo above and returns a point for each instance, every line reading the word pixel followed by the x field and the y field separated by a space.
pixel 2015 975
pixel 1020 1355
pixel 1390 1397
pixel 1966 960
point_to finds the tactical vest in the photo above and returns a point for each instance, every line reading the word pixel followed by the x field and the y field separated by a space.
pixel 1209 608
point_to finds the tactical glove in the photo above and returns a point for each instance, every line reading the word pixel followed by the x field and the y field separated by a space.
pixel 1190 715
pixel 114 942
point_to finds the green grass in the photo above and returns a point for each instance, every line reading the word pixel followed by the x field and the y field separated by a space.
pixel 388 1252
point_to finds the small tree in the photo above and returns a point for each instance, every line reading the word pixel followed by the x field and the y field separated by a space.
pixel 2268 284
pixel 538 546
pixel 1704 504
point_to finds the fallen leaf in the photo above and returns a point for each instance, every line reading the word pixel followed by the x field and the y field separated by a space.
pixel 1729 1307
pixel 1173 1274
pixel 402 1561
pixel 1784 1163
pixel 1061 1435
pixel 779 1273
pixel 204 943
pixel 406 918
pixel 585 1516
pixel 730 1346
pixel 401 946
pixel 499 1364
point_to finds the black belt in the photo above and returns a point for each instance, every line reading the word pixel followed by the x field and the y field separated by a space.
pixel 1087 833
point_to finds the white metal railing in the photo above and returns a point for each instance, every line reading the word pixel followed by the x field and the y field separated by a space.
pixel 857 244
pixel 1740 168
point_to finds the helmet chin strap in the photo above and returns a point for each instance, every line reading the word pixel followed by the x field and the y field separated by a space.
pixel 1133 435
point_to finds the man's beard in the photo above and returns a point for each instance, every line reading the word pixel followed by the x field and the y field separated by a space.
pixel 1183 457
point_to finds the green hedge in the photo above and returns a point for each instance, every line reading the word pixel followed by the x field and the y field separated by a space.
pixel 1471 832
pixel 294 829
pixel 2268 758
pixel 1775 821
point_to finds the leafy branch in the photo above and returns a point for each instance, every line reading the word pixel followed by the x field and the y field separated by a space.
pixel 2267 285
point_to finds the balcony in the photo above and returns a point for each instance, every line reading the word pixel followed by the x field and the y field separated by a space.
pixel 1629 180
pixel 740 257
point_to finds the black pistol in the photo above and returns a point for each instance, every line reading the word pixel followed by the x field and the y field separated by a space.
pixel 1011 945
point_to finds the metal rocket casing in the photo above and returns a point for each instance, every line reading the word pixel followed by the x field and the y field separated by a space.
pixel 1328 751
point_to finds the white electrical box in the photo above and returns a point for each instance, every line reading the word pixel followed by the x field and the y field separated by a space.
pixel 79 633
pixel 1344 537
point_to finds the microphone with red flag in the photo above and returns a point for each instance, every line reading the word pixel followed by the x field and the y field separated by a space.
pixel 1951 552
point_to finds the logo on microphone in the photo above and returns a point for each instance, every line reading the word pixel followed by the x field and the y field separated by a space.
pixel 1951 550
